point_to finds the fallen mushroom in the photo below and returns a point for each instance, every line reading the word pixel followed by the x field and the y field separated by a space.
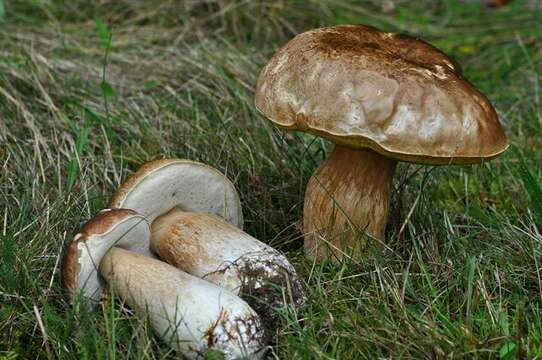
pixel 160 185
pixel 184 201
pixel 381 98
pixel 216 251
pixel 83 255
pixel 191 315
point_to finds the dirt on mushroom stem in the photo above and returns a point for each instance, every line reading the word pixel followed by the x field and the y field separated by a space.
pixel 249 326
pixel 267 287
pixel 266 284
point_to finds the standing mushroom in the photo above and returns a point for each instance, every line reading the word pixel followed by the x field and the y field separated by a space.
pixel 196 219
pixel 190 314
pixel 381 98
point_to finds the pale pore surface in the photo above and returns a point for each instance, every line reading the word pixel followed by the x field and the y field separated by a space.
pixel 162 185
pixel 360 87
pixel 190 314
pixel 132 233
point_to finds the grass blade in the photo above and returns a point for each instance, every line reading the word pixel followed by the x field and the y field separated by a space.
pixel 2 9
pixel 103 32
pixel 471 266
pixel 534 190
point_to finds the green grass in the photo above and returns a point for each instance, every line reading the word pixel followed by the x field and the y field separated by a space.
pixel 88 93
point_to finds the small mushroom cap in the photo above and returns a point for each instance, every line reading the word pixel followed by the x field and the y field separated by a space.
pixel 363 88
pixel 161 185
pixel 118 227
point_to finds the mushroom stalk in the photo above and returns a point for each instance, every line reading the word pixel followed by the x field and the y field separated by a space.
pixel 216 251
pixel 346 197
pixel 193 316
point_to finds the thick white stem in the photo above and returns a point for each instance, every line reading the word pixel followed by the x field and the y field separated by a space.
pixel 212 249
pixel 190 314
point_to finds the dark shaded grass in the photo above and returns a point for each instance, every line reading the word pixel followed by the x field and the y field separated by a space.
pixel 464 277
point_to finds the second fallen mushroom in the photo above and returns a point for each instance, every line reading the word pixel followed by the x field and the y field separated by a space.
pixel 195 214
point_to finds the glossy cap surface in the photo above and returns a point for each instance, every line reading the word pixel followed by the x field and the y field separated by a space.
pixel 364 88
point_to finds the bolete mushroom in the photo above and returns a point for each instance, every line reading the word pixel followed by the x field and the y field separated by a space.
pixel 196 221
pixel 120 227
pixel 216 251
pixel 161 185
pixel 192 315
pixel 381 98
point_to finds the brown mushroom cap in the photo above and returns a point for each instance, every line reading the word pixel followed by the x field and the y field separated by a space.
pixel 363 88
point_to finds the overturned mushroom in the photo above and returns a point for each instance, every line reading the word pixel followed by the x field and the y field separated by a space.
pixel 83 255
pixel 161 185
pixel 212 249
pixel 190 314
pixel 381 98
pixel 195 215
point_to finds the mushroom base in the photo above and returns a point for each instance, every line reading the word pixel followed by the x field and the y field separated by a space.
pixel 346 203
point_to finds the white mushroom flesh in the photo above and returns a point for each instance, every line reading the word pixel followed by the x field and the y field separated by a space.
pixel 190 314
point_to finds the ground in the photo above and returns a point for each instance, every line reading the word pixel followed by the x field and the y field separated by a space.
pixel 91 90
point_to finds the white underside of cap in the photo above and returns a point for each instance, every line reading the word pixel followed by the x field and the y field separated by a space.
pixel 132 234
pixel 186 184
